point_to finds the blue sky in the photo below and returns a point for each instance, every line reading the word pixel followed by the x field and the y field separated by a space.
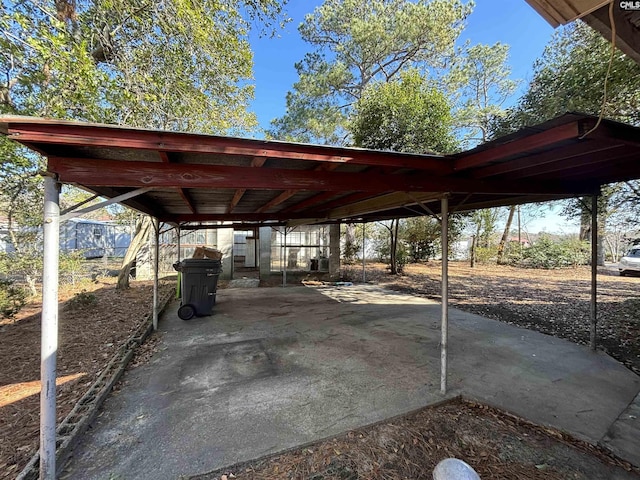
pixel 517 25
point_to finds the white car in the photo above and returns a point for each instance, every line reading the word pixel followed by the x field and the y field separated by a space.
pixel 630 262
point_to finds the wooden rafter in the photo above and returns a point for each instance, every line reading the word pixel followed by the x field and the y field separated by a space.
pixel 165 157
pixel 90 172
pixel 349 199
pixel 239 193
pixel 574 151
pixel 574 163
pixel 287 194
pixel 380 203
pixel 309 202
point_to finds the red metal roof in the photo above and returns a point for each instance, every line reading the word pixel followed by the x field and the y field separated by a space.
pixel 196 179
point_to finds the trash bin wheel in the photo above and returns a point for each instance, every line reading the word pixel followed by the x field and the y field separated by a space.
pixel 187 312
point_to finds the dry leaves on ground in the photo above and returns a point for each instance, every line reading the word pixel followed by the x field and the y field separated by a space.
pixel 91 330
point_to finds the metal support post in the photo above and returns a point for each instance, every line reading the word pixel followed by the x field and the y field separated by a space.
pixel 444 329
pixel 179 233
pixel 284 260
pixel 594 270
pixel 156 264
pixel 364 269
pixel 49 333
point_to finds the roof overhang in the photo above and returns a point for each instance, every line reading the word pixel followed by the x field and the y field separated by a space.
pixel 195 180
pixel 625 15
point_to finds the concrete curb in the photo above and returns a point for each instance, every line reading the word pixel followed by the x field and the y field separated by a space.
pixel 562 436
pixel 86 409
pixel 240 466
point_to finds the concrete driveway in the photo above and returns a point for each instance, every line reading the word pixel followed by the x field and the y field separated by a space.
pixel 274 368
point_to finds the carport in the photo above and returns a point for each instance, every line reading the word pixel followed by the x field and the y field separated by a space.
pixel 195 181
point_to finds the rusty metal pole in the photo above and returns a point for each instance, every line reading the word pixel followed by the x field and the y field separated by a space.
pixel 444 328
pixel 49 331
pixel 594 270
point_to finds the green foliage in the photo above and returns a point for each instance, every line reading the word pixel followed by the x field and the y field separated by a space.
pixel 486 254
pixel 481 78
pixel 172 64
pixel 12 298
pixel 403 115
pixel 570 77
pixel 72 266
pixel 81 300
pixel 358 42
pixel 546 253
pixel 484 223
pixel 351 247
pixel 422 236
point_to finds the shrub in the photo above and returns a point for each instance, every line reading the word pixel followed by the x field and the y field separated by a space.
pixel 546 253
pixel 12 298
pixel 82 299
pixel 486 254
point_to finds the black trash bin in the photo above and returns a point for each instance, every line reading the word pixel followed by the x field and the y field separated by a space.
pixel 199 280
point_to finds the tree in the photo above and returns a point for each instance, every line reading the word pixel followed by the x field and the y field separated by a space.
pixel 171 64
pixel 483 223
pixel 570 76
pixel 421 234
pixel 358 42
pixel 505 235
pixel 404 115
pixel 481 76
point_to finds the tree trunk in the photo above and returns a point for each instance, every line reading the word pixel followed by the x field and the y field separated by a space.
pixel 585 221
pixel 140 238
pixel 473 251
pixel 505 235
pixel 393 232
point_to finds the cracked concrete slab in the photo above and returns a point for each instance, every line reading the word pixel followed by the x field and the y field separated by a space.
pixel 273 368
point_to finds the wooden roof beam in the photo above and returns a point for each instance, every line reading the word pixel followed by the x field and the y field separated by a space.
pixel 626 33
pixel 576 150
pixel 164 156
pixel 309 202
pixel 573 164
pixel 79 134
pixel 500 151
pixel 90 172
pixel 380 203
pixel 283 197
pixel 323 197
pixel 224 217
pixel 351 198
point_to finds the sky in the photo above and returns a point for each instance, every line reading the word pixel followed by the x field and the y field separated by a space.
pixel 517 25
pixel 512 22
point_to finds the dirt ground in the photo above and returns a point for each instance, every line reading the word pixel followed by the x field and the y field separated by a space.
pixel 499 445
pixel 94 321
